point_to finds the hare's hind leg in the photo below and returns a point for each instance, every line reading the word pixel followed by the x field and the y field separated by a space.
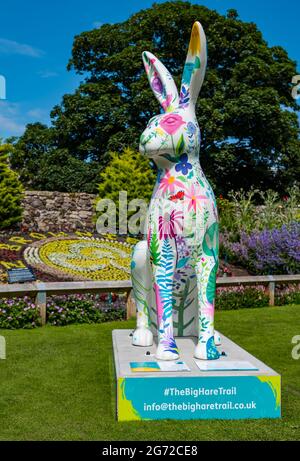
pixel 206 272
pixel 163 276
pixel 142 286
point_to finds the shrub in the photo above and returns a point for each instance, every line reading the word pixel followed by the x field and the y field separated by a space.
pixel 18 313
pixel 275 251
pixel 287 295
pixel 66 310
pixel 241 298
pixel 128 172
pixel 10 191
pixel 241 213
pixel 61 310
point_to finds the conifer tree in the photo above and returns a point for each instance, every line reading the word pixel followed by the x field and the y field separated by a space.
pixel 11 191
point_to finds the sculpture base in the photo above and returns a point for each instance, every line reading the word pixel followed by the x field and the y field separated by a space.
pixel 194 394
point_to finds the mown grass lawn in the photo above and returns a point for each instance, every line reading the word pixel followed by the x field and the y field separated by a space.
pixel 57 383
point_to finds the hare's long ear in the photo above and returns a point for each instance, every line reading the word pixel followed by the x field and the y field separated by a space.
pixel 161 82
pixel 195 66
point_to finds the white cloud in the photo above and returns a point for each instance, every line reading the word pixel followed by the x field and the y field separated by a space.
pixel 10 121
pixel 12 47
pixel 10 127
pixel 13 118
pixel 47 74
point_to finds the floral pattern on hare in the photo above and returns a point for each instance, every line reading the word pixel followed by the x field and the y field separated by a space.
pixel 174 271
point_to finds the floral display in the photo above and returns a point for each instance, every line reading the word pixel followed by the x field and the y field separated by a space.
pixel 80 256
pixel 275 251
pixel 175 270
pixel 62 310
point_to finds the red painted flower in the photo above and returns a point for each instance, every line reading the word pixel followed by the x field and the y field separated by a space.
pixel 171 123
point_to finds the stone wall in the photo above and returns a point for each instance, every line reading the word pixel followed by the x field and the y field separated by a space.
pixel 58 211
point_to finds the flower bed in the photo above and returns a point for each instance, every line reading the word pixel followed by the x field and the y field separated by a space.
pixel 62 310
pixel 80 256
pixel 72 309
pixel 275 251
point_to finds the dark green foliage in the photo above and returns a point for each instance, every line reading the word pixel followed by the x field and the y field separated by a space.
pixel 43 166
pixel 10 190
pixel 246 112
pixel 241 298
pixel 63 310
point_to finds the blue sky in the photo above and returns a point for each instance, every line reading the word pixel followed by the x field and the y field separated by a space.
pixel 36 40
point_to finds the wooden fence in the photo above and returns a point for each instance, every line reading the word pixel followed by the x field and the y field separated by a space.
pixel 40 290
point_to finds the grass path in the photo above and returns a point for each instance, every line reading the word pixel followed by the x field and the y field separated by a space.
pixel 57 383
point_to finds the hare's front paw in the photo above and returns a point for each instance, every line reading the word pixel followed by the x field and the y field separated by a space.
pixel 207 350
pixel 217 338
pixel 166 354
pixel 142 337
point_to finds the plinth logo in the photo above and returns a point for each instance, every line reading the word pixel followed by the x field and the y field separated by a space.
pixel 2 87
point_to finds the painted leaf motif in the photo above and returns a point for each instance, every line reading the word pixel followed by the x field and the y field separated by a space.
pixel 182 178
pixel 197 64
pixel 211 241
pixel 165 278
pixel 170 158
pixel 182 262
pixel 180 146
pixel 154 249
pixel 211 285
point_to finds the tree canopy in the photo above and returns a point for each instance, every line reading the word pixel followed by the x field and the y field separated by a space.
pixel 247 116
pixel 11 191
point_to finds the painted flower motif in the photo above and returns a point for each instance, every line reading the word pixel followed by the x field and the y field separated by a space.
pixel 184 96
pixel 183 165
pixel 168 341
pixel 168 183
pixel 170 224
pixel 171 123
pixel 208 309
pixel 166 105
pixel 194 198
pixel 191 128
pixel 157 84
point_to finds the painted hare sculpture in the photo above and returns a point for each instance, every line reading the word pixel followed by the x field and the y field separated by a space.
pixel 174 270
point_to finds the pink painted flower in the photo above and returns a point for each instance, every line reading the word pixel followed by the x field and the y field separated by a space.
pixel 168 183
pixel 169 225
pixel 171 123
pixel 194 197
pixel 208 309
pixel 167 103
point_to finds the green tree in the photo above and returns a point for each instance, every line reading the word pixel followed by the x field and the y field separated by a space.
pixel 248 118
pixel 44 166
pixel 130 172
pixel 11 191
pixel 29 150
